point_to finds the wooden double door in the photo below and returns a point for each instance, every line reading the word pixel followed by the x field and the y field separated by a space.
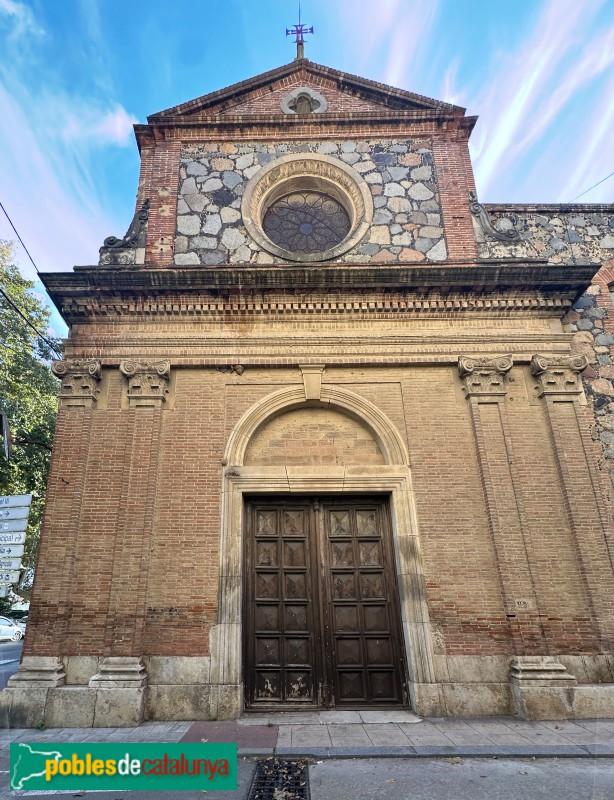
pixel 321 607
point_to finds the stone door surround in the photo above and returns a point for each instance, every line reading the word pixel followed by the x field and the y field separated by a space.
pixel 392 478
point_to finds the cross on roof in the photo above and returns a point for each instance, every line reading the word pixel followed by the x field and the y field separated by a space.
pixel 299 30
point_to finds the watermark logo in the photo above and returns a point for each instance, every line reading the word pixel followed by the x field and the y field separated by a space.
pixel 110 765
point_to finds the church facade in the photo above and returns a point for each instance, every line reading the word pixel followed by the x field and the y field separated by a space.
pixel 332 433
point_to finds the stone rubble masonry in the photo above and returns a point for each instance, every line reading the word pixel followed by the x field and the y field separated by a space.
pixel 400 174
pixel 560 234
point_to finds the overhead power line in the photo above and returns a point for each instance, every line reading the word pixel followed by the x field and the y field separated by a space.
pixel 27 321
pixel 592 187
pixel 12 304
pixel 19 237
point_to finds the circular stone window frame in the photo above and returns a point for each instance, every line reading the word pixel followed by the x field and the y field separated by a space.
pixel 302 172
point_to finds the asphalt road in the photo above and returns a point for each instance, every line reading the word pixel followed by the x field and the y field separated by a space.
pixel 413 779
pixel 10 653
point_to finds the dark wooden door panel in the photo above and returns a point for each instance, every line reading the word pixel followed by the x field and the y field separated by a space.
pixel 321 608
pixel 281 658
pixel 361 603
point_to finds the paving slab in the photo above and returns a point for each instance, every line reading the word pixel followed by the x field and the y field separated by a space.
pixel 339 717
pixel 390 734
pixel 394 715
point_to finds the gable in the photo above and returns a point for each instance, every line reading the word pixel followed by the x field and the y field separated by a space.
pixel 267 100
pixel 344 94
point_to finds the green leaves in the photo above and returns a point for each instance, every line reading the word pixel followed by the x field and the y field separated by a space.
pixel 28 395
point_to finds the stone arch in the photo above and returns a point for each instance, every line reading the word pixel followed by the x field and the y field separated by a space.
pixel 392 478
pixel 383 431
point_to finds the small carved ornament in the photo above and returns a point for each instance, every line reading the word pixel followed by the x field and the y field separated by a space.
pixel 478 210
pixel 134 234
pixel 227 369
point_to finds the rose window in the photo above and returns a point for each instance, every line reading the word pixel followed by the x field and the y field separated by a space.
pixel 306 222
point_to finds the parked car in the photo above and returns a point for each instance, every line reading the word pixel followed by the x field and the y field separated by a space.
pixel 9 629
pixel 22 624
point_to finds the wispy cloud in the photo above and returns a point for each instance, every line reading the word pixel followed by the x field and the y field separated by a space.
pixel 385 39
pixel 590 168
pixel 532 85
pixel 52 141
pixel 97 126
pixel 19 18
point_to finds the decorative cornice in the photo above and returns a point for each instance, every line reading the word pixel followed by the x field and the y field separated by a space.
pixel 147 382
pixel 80 378
pixel 359 304
pixel 534 274
pixel 558 375
pixel 478 210
pixel 484 376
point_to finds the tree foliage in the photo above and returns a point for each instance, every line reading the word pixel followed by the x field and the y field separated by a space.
pixel 28 396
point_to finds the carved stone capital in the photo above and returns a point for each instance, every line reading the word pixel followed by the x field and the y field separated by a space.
pixel 80 379
pixel 147 382
pixel 558 374
pixel 484 376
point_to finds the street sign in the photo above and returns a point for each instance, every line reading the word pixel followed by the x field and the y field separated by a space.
pixel 15 500
pixel 17 537
pixel 10 563
pixel 15 512
pixel 9 577
pixel 11 550
pixel 14 525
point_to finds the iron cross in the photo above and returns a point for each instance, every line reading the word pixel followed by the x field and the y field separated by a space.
pixel 299 32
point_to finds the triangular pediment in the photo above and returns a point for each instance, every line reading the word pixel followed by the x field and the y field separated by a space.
pixel 343 94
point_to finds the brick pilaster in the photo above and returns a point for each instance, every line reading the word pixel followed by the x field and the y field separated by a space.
pixel 163 208
pixel 560 389
pixel 484 384
pixel 454 183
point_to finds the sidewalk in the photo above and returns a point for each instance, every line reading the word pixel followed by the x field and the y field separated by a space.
pixel 359 734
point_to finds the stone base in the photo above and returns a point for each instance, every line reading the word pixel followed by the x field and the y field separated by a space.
pixel 593 702
pixel 123 691
pixel 193 702
pixel 37 672
pixel 541 688
pixel 119 708
pixel 461 699
pixel 70 707
pixel 120 672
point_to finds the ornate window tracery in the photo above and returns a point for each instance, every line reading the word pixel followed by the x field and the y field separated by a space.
pixel 306 222
pixel 307 207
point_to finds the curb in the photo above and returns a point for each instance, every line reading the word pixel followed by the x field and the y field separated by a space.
pixel 443 751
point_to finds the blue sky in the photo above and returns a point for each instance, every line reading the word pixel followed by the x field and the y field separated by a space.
pixel 76 74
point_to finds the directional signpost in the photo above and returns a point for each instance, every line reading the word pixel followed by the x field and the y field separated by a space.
pixel 11 550
pixel 14 511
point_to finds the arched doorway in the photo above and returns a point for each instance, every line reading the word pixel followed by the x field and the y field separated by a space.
pixel 359 465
